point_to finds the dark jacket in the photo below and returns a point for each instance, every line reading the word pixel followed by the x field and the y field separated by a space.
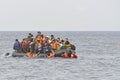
pixel 16 45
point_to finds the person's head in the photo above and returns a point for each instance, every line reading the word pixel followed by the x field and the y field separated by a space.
pixel 30 35
pixel 62 40
pixel 58 38
pixel 23 39
pixel 52 36
pixel 16 39
pixel 46 43
pixel 67 42
pixel 41 35
pixel 39 32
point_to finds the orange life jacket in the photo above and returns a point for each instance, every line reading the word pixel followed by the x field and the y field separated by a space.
pixel 74 55
pixel 51 55
pixel 35 40
pixel 54 45
pixel 24 45
pixel 39 37
pixel 26 42
pixel 29 54
pixel 43 38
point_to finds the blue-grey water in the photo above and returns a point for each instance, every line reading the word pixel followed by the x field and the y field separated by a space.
pixel 99 58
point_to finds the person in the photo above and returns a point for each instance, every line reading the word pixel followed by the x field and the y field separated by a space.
pixel 62 45
pixel 32 47
pixel 39 46
pixel 16 46
pixel 68 45
pixel 39 33
pixel 47 47
pixel 48 50
pixel 30 37
pixel 66 40
pixel 43 37
pixel 74 55
pixel 54 45
pixel 25 45
pixel 30 34
pixel 52 38
pixel 68 51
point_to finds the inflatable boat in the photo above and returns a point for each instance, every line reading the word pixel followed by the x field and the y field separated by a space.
pixel 58 53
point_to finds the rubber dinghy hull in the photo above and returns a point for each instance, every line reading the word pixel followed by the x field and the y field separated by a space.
pixel 15 54
pixel 57 54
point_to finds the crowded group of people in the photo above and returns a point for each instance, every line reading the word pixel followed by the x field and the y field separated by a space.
pixel 41 44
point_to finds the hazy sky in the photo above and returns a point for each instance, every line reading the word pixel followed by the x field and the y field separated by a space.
pixel 52 15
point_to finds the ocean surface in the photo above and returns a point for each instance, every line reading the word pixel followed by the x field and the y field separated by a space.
pixel 99 58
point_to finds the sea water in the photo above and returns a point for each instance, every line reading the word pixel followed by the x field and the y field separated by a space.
pixel 99 58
